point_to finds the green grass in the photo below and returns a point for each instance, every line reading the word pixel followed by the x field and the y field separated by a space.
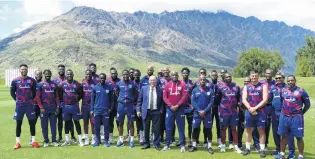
pixel 7 133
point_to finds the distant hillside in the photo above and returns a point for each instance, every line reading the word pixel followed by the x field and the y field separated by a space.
pixel 184 38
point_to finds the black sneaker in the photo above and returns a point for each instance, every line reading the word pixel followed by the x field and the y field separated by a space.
pixel 210 150
pixel 262 154
pixel 192 149
pixel 246 152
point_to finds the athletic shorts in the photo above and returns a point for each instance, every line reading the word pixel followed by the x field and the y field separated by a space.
pixel 123 110
pixel 252 121
pixel 71 112
pixel 291 124
pixel 28 109
pixel 229 120
pixel 207 121
pixel 85 111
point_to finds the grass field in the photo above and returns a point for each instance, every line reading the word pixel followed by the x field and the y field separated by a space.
pixel 7 136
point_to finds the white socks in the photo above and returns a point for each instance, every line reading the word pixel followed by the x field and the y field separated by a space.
pixel 86 136
pixel 247 145
pixel 209 144
pixel 194 144
pixel 121 138
pixel 80 138
pixel 262 147
pixel 17 139
pixel 131 138
pixel 33 139
pixel 67 137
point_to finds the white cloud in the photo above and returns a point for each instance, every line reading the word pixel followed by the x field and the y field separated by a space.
pixel 292 12
pixel 49 8
pixel 3 18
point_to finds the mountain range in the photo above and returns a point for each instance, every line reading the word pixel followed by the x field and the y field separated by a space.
pixel 117 39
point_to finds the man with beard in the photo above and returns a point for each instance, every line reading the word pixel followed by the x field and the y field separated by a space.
pixel 48 102
pixel 57 80
pixel 127 93
pixel 202 99
pixel 23 91
pixel 145 80
pixel 95 77
pixel 71 92
pixel 189 109
pixel 87 86
pixel 295 103
pixel 276 111
pixel 228 95
pixel 131 74
pixel 102 102
pixel 174 96
pixel 113 80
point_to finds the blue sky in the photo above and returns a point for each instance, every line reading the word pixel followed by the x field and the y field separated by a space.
pixel 18 15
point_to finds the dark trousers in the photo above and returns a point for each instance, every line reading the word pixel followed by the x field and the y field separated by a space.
pixel 154 116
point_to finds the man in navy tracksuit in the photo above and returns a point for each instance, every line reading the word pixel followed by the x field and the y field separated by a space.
pixel 127 95
pixel 202 99
pixel 102 103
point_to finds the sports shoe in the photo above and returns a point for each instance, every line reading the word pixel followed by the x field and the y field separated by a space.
pixel 131 144
pixel 205 144
pixel 119 144
pixel 192 149
pixel 74 140
pixel 219 141
pixel 266 148
pixel 174 143
pixel 81 144
pixel 279 156
pixel 93 140
pixel 165 148
pixel 300 157
pixel 246 152
pixel 231 146
pixel 66 143
pixel 182 149
pixel 262 154
pixel 102 137
pixel 86 142
pixel 107 144
pixel 35 144
pixel 237 150
pixel 222 148
pixel 95 144
pixel 189 143
pixel 17 146
pixel 210 150
pixel 46 144
pixel 56 144
pixel 275 153
pixel 291 155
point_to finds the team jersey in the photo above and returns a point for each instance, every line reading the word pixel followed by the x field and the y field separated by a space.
pixel 71 92
pixel 270 85
pixel 23 90
pixel 163 81
pixel 175 93
pixel 57 80
pixel 102 98
pixel 202 99
pixel 87 90
pixel 255 95
pixel 95 78
pixel 275 95
pixel 127 92
pixel 293 100
pixel 37 87
pixel 229 96
pixel 46 94
pixel 189 87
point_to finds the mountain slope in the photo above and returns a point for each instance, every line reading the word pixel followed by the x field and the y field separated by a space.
pixel 191 38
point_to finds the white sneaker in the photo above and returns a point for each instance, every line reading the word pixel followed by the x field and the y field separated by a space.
pixel 81 144
pixel 237 150
pixel 46 144
pixel 165 148
pixel 93 140
pixel 102 137
pixel 182 149
pixel 30 142
pixel 86 142
pixel 222 148
pixel 56 144
pixel 66 143
pixel 231 146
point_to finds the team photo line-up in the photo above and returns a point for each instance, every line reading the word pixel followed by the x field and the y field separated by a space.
pixel 162 100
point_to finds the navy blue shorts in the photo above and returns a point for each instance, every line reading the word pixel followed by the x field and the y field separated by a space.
pixel 252 121
pixel 293 125
pixel 28 109
pixel 229 120
pixel 71 112
pixel 207 121
pixel 85 111
pixel 123 110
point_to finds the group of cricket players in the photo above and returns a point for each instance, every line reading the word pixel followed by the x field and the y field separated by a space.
pixel 254 108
